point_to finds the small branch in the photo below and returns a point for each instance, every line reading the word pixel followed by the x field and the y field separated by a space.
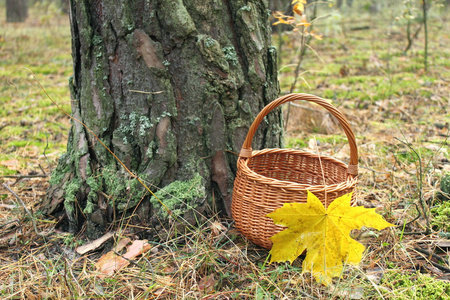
pixel 304 45
pixel 45 155
pixel 30 213
pixel 17 221
pixel 415 233
pixel 411 39
pixel 416 218
pixel 74 278
pixel 24 176
pixel 440 267
pixel 143 92
pixel 65 278
pixel 430 254
pixel 42 169
pixel 422 203
pixel 231 262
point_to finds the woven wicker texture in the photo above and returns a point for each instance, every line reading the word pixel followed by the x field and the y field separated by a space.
pixel 268 178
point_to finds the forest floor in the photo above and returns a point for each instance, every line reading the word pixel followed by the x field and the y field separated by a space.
pixel 399 112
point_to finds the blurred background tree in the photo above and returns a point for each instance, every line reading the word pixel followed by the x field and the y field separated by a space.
pixel 16 10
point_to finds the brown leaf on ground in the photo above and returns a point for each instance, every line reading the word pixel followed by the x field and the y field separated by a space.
pixel 207 284
pixel 110 263
pixel 217 228
pixel 122 244
pixel 137 248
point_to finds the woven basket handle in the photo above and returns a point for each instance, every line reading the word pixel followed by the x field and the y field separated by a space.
pixel 246 150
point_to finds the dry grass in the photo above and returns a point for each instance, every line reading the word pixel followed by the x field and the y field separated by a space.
pixel 384 95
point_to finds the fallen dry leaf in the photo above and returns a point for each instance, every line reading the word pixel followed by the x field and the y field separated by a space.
pixel 94 244
pixel 217 228
pixel 122 244
pixel 207 284
pixel 137 248
pixel 110 263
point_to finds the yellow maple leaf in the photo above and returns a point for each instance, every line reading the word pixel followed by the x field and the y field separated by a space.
pixel 298 6
pixel 298 9
pixel 298 2
pixel 304 22
pixel 281 21
pixel 323 232
pixel 316 36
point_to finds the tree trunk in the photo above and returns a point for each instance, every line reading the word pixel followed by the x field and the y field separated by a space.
pixel 16 10
pixel 171 87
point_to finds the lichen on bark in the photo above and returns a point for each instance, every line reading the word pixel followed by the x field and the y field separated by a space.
pixel 171 87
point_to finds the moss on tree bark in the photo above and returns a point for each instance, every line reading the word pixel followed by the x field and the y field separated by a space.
pixel 171 87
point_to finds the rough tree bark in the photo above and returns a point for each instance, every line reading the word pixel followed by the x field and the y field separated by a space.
pixel 171 87
pixel 16 10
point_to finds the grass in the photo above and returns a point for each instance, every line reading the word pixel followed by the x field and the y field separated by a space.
pixel 385 95
pixel 29 52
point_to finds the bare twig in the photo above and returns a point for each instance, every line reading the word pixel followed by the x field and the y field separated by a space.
pixel 42 169
pixel 440 267
pixel 422 203
pixel 413 37
pixel 45 155
pixel 143 92
pixel 74 278
pixel 29 212
pixel 24 176
pixel 10 222
pixel 304 45
pixel 416 218
pixel 430 254
pixel 65 279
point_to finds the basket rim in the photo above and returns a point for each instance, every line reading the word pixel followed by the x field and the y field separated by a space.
pixel 293 186
pixel 246 150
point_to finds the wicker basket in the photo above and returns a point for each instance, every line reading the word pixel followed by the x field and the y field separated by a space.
pixel 268 178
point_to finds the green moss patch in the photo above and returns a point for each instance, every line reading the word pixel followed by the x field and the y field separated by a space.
pixel 441 217
pixel 416 286
pixel 178 195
